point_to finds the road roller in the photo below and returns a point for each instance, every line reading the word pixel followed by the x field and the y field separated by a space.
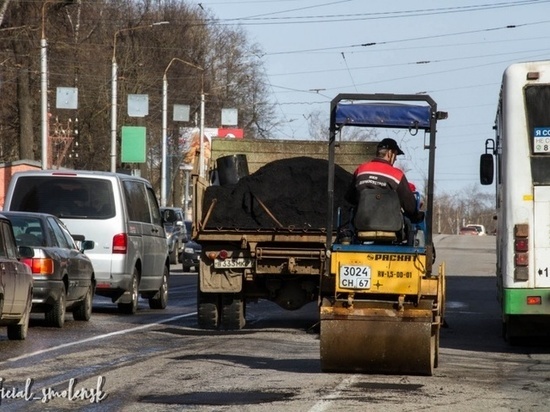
pixel 382 296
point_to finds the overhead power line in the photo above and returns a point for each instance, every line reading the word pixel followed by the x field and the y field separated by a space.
pixel 410 39
pixel 264 18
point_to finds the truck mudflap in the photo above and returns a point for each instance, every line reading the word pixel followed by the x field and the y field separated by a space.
pixel 221 281
pixel 378 338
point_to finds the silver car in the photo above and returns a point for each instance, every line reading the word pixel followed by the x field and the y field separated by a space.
pixel 176 235
pixel 16 284
pixel 120 213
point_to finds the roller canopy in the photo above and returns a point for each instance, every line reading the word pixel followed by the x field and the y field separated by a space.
pixel 396 115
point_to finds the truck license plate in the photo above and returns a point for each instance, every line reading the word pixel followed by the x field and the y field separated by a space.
pixel 233 263
pixel 355 277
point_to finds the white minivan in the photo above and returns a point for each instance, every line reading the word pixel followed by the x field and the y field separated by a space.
pixel 120 213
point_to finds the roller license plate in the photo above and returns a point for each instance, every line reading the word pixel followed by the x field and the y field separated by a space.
pixel 233 263
pixel 355 277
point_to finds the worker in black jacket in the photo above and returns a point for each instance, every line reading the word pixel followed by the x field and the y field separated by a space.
pixel 380 173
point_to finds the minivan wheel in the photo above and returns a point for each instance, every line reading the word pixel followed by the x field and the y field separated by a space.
pixel 160 300
pixel 131 307
pixel 55 316
pixel 84 310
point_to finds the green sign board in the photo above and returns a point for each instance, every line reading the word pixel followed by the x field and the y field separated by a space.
pixel 133 144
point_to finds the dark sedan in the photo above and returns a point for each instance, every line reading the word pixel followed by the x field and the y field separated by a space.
pixel 63 274
pixel 189 256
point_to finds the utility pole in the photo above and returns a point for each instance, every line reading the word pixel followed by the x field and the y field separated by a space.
pixel 439 218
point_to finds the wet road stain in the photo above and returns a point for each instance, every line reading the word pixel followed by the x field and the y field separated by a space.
pixel 407 387
pixel 219 398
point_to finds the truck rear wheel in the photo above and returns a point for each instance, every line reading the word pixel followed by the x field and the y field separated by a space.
pixel 233 312
pixel 208 310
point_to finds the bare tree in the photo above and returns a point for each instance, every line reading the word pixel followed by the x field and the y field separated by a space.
pixel 82 38
pixel 238 80
pixel 470 205
pixel 81 42
pixel 318 125
pixel 18 40
pixel 3 9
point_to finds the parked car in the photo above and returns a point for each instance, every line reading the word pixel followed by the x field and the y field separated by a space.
pixel 63 274
pixel 176 234
pixel 120 213
pixel 16 284
pixel 480 229
pixel 189 256
pixel 468 230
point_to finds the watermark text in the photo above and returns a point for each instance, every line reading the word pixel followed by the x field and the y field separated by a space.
pixel 72 392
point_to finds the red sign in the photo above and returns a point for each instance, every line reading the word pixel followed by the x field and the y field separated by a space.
pixel 231 133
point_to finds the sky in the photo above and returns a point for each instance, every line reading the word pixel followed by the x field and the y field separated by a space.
pixel 453 51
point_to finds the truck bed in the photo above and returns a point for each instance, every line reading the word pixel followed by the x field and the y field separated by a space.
pixel 275 235
pixel 259 152
pixel 283 197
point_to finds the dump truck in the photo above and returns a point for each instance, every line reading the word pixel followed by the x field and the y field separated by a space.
pixel 381 297
pixel 261 222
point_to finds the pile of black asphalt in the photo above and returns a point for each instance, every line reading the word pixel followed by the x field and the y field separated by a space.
pixel 289 193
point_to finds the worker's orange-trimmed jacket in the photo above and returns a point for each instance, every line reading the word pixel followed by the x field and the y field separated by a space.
pixel 379 173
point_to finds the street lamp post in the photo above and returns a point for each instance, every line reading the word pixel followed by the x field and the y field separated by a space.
pixel 44 89
pixel 164 170
pixel 201 132
pixel 114 85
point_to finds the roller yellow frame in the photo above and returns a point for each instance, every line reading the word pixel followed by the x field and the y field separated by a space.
pixel 381 303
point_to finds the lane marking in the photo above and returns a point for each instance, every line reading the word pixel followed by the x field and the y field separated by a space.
pixel 327 403
pixel 98 337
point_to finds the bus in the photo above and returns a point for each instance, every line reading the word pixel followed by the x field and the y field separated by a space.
pixel 517 160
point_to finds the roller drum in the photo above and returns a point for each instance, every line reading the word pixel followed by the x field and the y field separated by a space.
pixel 388 345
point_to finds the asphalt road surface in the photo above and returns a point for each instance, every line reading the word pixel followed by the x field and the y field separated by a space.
pixel 158 360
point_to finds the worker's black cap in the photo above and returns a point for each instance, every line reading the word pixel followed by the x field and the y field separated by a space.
pixel 390 144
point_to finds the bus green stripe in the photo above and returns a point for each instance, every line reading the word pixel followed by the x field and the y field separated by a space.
pixel 515 302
